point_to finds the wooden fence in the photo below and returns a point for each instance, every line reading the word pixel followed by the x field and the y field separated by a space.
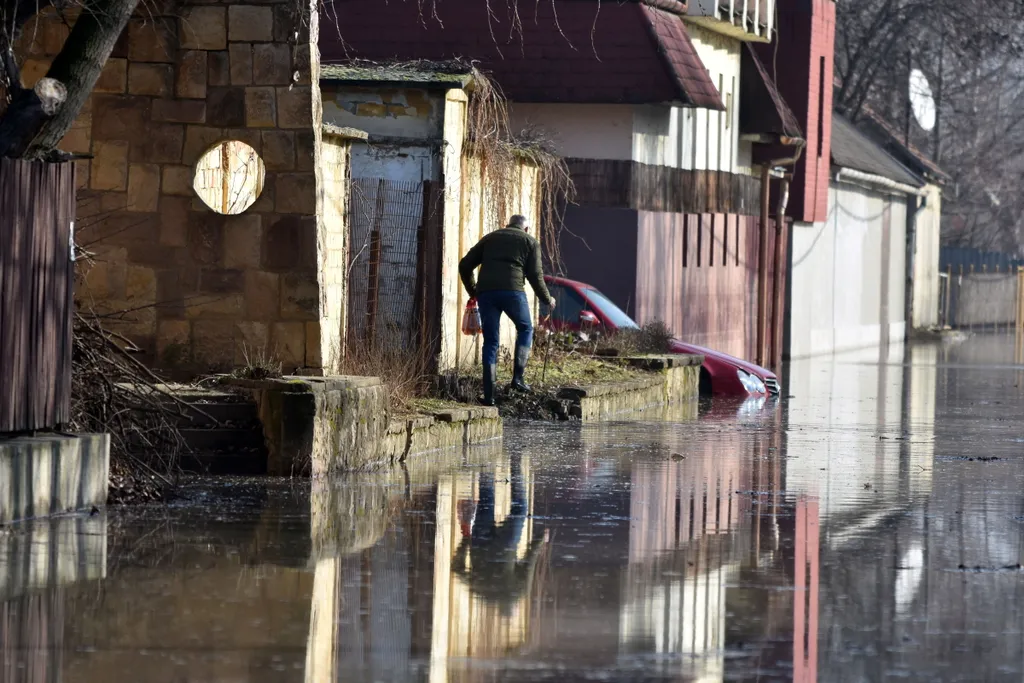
pixel 37 208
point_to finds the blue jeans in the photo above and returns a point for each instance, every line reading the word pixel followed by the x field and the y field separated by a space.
pixel 514 305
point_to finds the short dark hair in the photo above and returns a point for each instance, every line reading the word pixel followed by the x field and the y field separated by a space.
pixel 517 221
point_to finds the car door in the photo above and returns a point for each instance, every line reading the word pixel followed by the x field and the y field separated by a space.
pixel 568 306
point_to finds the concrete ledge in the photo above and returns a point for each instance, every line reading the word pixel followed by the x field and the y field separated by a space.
pixel 48 475
pixel 444 429
pixel 319 425
pixel 672 379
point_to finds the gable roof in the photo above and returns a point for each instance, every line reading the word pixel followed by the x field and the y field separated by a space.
pixel 578 51
pixel 909 155
pixel 854 150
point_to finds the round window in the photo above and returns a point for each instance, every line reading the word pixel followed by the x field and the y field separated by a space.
pixel 229 177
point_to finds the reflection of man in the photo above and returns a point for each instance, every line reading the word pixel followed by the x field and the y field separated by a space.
pixel 487 557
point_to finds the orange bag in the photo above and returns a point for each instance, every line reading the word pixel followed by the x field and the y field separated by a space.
pixel 471 323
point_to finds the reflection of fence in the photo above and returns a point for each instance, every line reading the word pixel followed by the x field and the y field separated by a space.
pixel 394 262
pixel 973 299
pixel 37 207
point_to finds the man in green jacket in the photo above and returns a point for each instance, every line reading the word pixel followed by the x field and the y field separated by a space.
pixel 507 258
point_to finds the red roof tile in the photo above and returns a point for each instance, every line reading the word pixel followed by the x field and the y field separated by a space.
pixel 577 51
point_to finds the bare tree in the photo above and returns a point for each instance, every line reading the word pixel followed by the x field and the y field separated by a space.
pixel 972 52
pixel 35 120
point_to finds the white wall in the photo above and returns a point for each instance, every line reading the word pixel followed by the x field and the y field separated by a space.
pixel 660 135
pixel 836 288
pixel 926 260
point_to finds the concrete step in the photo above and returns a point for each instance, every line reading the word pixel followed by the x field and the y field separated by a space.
pixel 243 463
pixel 220 416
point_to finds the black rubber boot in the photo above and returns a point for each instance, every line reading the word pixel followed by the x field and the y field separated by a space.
pixel 519 371
pixel 490 376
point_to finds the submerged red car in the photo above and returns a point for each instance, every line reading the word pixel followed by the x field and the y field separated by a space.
pixel 582 306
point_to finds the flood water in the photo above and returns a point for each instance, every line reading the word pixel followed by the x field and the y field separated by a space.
pixel 868 528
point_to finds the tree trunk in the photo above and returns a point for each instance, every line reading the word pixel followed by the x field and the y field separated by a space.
pixel 30 130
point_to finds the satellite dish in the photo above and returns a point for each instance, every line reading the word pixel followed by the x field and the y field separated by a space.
pixel 921 100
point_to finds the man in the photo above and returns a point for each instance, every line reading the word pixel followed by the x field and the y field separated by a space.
pixel 506 258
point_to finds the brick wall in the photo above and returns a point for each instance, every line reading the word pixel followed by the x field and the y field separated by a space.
pixel 805 43
pixel 199 286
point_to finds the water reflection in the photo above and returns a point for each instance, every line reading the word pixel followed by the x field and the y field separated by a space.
pixel 819 539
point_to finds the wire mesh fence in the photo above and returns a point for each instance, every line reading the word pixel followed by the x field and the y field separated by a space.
pixel 386 288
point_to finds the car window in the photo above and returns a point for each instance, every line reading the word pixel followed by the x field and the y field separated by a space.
pixel 568 306
pixel 615 315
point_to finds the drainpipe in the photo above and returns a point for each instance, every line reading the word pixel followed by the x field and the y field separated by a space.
pixel 762 250
pixel 779 295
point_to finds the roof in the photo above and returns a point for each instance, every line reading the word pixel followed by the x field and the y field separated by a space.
pixel 762 107
pixel 919 162
pixel 578 51
pixel 854 150
pixel 451 73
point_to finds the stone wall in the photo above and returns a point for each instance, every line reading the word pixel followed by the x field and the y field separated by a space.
pixel 200 287
pixel 668 380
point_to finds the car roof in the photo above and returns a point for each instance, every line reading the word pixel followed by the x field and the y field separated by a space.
pixel 554 279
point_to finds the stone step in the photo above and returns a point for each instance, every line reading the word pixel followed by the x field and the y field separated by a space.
pixel 219 415
pixel 243 463
pixel 216 441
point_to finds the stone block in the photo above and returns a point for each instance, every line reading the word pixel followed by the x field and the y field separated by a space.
pixel 242 238
pixel 288 342
pixel 78 139
pixel 221 281
pixel 155 80
pixel 213 343
pixel 251 337
pixel 251 137
pixel 289 243
pixel 204 28
pixel 173 341
pixel 140 286
pixel 52 35
pixel 32 70
pixel 105 277
pixel 109 166
pixel 284 23
pixel 206 237
pixel 219 74
pixel 114 77
pixel 225 107
pixel 262 295
pixel 313 352
pixel 174 288
pixel 83 169
pixel 177 180
pixel 302 65
pixel 120 117
pixel 296 193
pixel 192 70
pixel 304 148
pixel 300 296
pixel 294 107
pixel 179 111
pixel 250 23
pixel 152 40
pixel 240 58
pixel 272 64
pixel 221 306
pixel 174 220
pixel 279 150
pixel 143 187
pixel 198 140
pixel 260 107
pixel 162 144
pixel 151 253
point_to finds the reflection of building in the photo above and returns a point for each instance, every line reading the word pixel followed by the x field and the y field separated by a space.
pixel 36 563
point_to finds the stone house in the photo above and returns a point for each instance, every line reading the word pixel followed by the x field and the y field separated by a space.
pixel 214 201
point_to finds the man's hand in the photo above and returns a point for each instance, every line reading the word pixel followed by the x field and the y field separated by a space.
pixel 551 304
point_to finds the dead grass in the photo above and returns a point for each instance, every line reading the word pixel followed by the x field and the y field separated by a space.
pixel 652 338
pixel 259 364
pixel 405 373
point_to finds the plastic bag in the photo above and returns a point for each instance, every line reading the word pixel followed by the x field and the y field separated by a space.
pixel 471 323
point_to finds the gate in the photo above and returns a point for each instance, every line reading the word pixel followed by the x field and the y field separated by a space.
pixel 37 207
pixel 394 264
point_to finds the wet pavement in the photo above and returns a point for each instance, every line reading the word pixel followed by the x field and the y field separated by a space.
pixel 868 528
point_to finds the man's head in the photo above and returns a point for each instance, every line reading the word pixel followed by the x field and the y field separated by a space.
pixel 517 221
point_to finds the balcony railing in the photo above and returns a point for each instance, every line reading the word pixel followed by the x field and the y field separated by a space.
pixel 752 20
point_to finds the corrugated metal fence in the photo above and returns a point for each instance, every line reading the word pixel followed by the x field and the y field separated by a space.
pixel 37 207
pixel 960 260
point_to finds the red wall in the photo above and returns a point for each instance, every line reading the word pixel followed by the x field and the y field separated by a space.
pixel 806 36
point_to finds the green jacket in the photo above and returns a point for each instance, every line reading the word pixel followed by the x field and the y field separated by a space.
pixel 506 258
